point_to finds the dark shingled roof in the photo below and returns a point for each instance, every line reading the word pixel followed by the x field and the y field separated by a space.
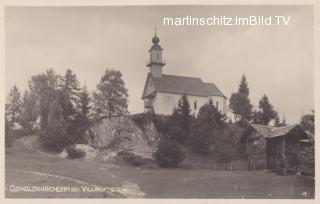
pixel 269 131
pixel 185 85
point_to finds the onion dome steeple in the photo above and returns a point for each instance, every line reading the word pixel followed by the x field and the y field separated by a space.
pixel 155 39
pixel 155 61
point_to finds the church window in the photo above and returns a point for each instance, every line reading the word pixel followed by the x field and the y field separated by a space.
pixel 217 104
pixel 195 105
pixel 168 100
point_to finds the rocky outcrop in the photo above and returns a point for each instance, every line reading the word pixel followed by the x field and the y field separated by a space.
pixel 122 134
pixel 89 152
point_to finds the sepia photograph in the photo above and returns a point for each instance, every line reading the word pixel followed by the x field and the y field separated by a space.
pixel 159 102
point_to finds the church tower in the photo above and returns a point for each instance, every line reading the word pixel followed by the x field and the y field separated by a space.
pixel 155 61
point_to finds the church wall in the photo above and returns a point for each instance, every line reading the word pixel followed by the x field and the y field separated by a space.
pixel 149 87
pixel 164 103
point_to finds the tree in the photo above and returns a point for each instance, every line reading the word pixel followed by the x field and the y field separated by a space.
pixel 84 104
pixel 111 95
pixel 239 102
pixel 307 122
pixel 82 118
pixel 55 136
pixel 169 153
pixel 267 112
pixel 240 106
pixel 243 87
pixel 257 117
pixel 206 127
pixel 14 107
pixel 225 150
pixel 180 120
pixel 8 137
pixel 219 117
pixel 307 154
pixel 70 96
pixel 29 112
pixel 44 88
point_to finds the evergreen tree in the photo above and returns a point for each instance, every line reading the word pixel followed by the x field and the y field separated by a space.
pixel 239 102
pixel 169 153
pixel 70 96
pixel 207 125
pixel 240 105
pixel 267 111
pixel 257 117
pixel 180 120
pixel 83 115
pixel 307 122
pixel 55 136
pixel 14 107
pixel 225 150
pixel 243 87
pixel 84 104
pixel 8 137
pixel 220 118
pixel 29 112
pixel 111 95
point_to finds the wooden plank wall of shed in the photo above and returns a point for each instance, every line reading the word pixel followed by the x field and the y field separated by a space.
pixel 256 149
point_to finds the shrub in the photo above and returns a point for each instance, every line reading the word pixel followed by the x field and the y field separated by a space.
pixel 169 154
pixel 74 152
pixel 55 136
pixel 161 123
pixel 54 139
pixel 132 159
pixel 142 119
pixel 226 149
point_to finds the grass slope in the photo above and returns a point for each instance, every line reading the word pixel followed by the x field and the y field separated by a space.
pixel 25 166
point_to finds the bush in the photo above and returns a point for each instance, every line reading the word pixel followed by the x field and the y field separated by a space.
pixel 226 149
pixel 142 119
pixel 54 139
pixel 169 154
pixel 74 152
pixel 132 159
pixel 160 121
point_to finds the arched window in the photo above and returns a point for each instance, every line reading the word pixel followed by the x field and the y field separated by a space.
pixel 195 105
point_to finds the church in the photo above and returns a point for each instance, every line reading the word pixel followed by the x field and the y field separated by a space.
pixel 162 92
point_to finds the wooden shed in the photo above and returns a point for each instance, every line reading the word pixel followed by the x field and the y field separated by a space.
pixel 266 146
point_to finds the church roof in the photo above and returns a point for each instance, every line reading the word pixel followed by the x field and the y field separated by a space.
pixel 184 85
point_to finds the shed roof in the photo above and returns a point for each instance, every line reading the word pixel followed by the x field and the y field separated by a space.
pixel 270 131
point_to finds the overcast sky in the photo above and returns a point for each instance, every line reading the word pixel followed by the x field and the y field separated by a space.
pixel 278 61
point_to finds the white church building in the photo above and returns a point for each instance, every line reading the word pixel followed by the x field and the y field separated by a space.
pixel 162 92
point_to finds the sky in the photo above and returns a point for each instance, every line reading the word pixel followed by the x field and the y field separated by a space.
pixel 277 61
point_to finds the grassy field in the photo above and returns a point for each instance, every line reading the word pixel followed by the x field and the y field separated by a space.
pixel 28 167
